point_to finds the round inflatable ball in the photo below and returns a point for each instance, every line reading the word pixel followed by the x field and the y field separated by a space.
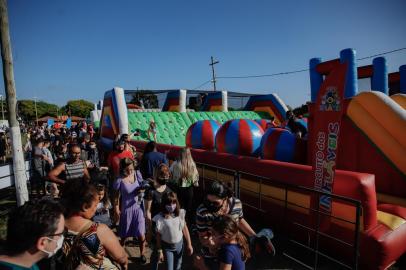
pixel 282 145
pixel 239 137
pixel 202 134
pixel 263 123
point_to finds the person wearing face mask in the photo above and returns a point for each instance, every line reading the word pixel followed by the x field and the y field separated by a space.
pixel 93 155
pixel 113 160
pixel 88 244
pixel 131 216
pixel 98 174
pixel 153 197
pixel 73 168
pixel 34 231
pixel 218 202
pixel 153 200
pixel 170 229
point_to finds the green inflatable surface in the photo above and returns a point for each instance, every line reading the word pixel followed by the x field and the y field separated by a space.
pixel 172 126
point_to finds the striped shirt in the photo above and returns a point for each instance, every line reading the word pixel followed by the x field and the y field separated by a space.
pixel 75 170
pixel 205 218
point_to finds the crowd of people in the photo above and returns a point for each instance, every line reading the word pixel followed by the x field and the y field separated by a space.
pixel 88 205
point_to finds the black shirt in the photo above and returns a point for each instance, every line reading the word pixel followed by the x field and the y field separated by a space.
pixel 156 198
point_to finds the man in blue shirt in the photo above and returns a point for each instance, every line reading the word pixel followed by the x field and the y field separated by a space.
pixel 151 159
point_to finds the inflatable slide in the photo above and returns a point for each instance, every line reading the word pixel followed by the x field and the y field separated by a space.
pixel 172 126
pixel 354 174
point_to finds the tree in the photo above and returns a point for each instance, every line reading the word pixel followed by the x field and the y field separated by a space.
pixel 147 97
pixel 78 107
pixel 302 110
pixel 26 109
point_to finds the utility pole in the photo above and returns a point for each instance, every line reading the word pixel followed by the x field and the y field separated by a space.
pixel 213 74
pixel 8 73
pixel 2 109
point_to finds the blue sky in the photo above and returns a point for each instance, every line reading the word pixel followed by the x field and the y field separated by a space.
pixel 79 49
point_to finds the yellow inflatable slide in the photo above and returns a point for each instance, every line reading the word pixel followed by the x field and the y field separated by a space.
pixel 400 99
pixel 383 120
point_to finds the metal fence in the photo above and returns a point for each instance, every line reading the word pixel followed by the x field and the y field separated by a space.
pixel 255 187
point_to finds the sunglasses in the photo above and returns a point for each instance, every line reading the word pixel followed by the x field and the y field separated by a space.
pixel 65 231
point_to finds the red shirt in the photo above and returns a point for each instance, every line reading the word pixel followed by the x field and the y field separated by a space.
pixel 114 160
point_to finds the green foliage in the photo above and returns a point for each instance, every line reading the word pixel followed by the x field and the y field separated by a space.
pixel 302 110
pixel 148 98
pixel 231 109
pixel 26 109
pixel 78 107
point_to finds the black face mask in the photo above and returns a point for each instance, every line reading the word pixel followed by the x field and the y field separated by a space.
pixel 161 181
pixel 212 206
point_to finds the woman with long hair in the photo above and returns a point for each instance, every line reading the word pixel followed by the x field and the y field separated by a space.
pixel 132 221
pixel 185 177
pixel 153 203
pixel 233 246
pixel 219 201
pixel 103 207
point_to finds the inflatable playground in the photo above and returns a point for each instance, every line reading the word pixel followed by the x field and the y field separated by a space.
pixel 340 192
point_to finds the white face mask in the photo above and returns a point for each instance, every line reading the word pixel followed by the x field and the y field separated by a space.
pixel 59 243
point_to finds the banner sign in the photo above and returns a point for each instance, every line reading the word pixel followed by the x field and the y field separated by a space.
pixel 68 122
pixel 50 122
pixel 326 128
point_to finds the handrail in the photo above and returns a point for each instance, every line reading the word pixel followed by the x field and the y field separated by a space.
pixel 12 173
pixel 351 200
pixel 9 191
pixel 287 186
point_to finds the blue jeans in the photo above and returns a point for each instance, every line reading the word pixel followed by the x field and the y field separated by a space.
pixel 173 255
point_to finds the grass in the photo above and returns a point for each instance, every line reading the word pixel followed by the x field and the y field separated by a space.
pixel 7 203
pixel 3 227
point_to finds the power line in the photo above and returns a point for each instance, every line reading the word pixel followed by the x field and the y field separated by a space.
pixel 379 54
pixel 300 70
pixel 264 75
pixel 206 82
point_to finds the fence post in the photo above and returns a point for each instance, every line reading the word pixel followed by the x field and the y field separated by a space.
pixel 237 184
pixel 357 228
pixel 204 179
pixel 316 248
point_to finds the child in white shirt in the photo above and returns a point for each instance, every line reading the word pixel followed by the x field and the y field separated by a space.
pixel 170 230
